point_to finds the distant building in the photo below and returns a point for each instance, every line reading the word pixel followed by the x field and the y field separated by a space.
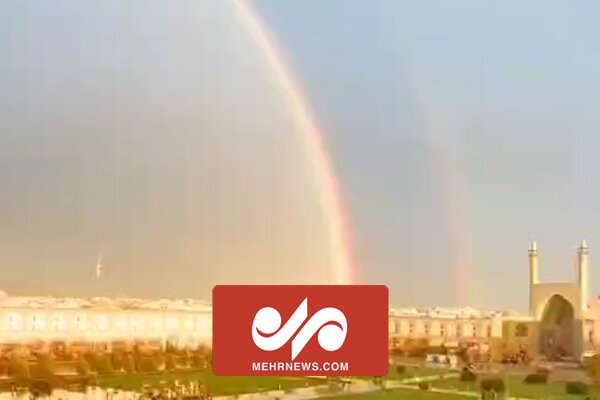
pixel 104 322
pixel 448 328
pixel 562 321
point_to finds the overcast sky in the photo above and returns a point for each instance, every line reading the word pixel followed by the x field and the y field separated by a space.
pixel 152 133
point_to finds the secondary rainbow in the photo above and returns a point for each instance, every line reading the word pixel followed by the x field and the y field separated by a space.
pixel 329 193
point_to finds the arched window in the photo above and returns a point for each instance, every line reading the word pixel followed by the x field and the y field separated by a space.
pixel 14 322
pixel 101 322
pixel 120 322
pixel 81 321
pixel 58 322
pixel 138 323
pixel 521 330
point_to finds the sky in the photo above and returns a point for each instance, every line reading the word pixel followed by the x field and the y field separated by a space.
pixel 155 135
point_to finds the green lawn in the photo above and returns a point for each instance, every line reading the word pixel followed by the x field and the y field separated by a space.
pixel 516 388
pixel 217 385
pixel 403 395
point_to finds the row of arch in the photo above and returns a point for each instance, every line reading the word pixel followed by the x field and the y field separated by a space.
pixel 22 322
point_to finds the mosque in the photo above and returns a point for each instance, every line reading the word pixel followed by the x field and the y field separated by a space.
pixel 563 322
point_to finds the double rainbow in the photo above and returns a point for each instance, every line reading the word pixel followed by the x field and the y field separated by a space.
pixel 329 193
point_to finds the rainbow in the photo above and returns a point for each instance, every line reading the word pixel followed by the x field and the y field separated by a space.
pixel 329 192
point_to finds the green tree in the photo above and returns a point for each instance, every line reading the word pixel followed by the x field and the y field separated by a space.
pixel 198 360
pixel 149 363
pixel 416 347
pixel 4 366
pixel 128 363
pixel 117 361
pixel 99 361
pixel 44 367
pixel 170 362
pixel 83 366
pixel 159 361
pixel 18 368
pixel 593 366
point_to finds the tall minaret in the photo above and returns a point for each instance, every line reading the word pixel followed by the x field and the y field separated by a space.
pixel 99 267
pixel 583 265
pixel 533 273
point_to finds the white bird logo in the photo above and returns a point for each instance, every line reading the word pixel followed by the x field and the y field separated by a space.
pixel 268 321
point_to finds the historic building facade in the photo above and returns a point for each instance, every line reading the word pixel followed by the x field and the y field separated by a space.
pixel 563 322
pixel 448 328
pixel 103 321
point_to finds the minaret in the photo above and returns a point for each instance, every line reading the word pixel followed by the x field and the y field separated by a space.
pixel 533 273
pixel 99 267
pixel 583 266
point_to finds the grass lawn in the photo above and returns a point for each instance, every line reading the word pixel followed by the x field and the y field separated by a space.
pixel 404 395
pixel 217 385
pixel 517 388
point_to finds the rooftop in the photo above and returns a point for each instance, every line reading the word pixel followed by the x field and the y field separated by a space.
pixel 443 312
pixel 123 303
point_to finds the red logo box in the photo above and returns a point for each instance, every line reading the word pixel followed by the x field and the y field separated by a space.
pixel 300 330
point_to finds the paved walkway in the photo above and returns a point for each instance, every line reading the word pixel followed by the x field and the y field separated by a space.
pixel 355 387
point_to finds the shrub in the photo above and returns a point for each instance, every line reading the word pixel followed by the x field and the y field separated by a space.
pixel 536 378
pixel 423 385
pixel 495 384
pixel 466 375
pixel 400 369
pixel 577 388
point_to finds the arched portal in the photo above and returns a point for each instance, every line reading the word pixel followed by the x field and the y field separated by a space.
pixel 557 328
